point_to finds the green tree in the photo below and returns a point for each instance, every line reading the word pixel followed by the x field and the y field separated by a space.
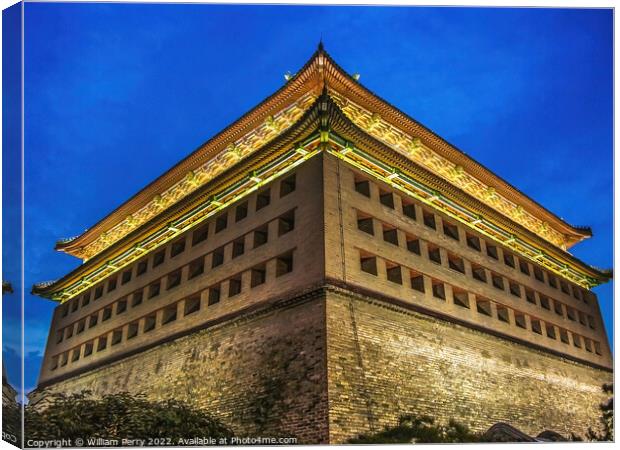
pixel 606 432
pixel 118 416
pixel 419 430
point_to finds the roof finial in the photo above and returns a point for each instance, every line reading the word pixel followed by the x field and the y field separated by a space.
pixel 321 48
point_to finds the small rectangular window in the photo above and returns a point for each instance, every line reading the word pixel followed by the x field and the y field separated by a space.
pixel 368 264
pixel 241 211
pixel 413 244
pixel 473 242
pixel 429 219
pixel 417 281
pixel 169 315
pixel 520 320
pixel 102 343
pixel 238 247
pixel 497 281
pixel 287 185
pixel 515 289
pixel 263 199
pixel 439 290
pixel 64 310
pixel 74 305
pixel 588 344
pixel 88 349
pixel 200 234
pixel 174 279
pixel 557 307
pixel 460 298
pixel 59 336
pixel 538 274
pixel 390 235
pixel 393 273
pixel 582 318
pixel 221 222
pixel 483 306
pixel 570 313
pixel 98 292
pixel 434 254
pixel 81 326
pixel 509 259
pixel 86 299
pixel 261 236
pixel 286 222
pixel 386 198
pixel 192 305
pixel 544 302
pixel 409 209
pixel 75 354
pixel 149 323
pixel 107 313
pixel 136 299
pixel 196 267
pixel 284 264
pixel 530 296
pixel 69 331
pixel 502 314
pixel 451 230
pixel 141 269
pixel 154 289
pixel 64 358
pixel 132 330
pixel 234 286
pixel 117 337
pixel 362 186
pixel 111 284
pixel 126 277
pixel 577 293
pixel 121 306
pixel 54 364
pixel 177 247
pixel 258 276
pixel 456 263
pixel 524 267
pixel 597 347
pixel 576 340
pixel 92 321
pixel 563 336
pixel 492 251
pixel 564 287
pixel 214 295
pixel 365 223
pixel 159 258
pixel 591 322
pixel 478 273
pixel 550 331
pixel 217 257
pixel 553 281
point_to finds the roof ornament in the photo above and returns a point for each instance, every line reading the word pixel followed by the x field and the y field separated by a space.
pixel 288 76
pixel 356 76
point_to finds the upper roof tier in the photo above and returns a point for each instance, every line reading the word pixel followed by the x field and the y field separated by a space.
pixel 278 112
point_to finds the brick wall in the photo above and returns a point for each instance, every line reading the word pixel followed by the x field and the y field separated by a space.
pixel 384 362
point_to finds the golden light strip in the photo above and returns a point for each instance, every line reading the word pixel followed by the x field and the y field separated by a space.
pixel 413 188
pixel 225 198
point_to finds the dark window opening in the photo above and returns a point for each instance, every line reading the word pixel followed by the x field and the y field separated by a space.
pixel 92 321
pixel 524 267
pixel 570 313
pixel 64 310
pixel 577 293
pixel 530 296
pixel 369 264
pixel 557 307
pixel 451 230
pixel 64 359
pixel 200 234
pixel 258 276
pixel 263 199
pixel 174 279
pixel 241 211
pixel 591 322
pixel 86 299
pixel 136 298
pixel 74 306
pixel 88 349
pixel 497 281
pixel 238 247
pixel 409 209
pixel 287 185
pixel 221 222
pixel 515 289
pixel 159 258
pixel 214 295
pixel 363 187
pixel 111 284
pixel 365 224
pixel 117 337
pixel 393 273
pixel 102 343
pixel 234 286
pixel 261 236
pixel 483 307
pixel 553 281
pixel 386 199
pixel 564 287
pixel 520 321
pixel 81 326
pixel 429 219
pixel 149 323
pixel 460 298
pixel 69 332
pixel 544 302
pixel 107 313
pixel 390 235
pixel 217 257
pixel 456 263
pixel 75 355
pixel 413 244
pixel 473 241
pixel 192 305
pixel 286 222
pixel 126 277
pixel 121 306
pixel 492 251
pixel 154 289
pixel 169 315
pixel 502 314
pixel 563 336
pixel 417 281
pixel 597 348
pixel 550 331
pixel 434 254
pixel 509 259
pixel 98 292
pixel 576 341
pixel 177 248
pixel 588 345
pixel 141 269
pixel 59 336
pixel 582 318
pixel 439 290
pixel 132 330
pixel 479 273
pixel 284 264
pixel 196 267
pixel 538 274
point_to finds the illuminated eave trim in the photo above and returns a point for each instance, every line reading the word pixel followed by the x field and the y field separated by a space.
pixel 413 188
pixel 199 214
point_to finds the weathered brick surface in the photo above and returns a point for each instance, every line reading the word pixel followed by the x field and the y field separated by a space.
pixel 384 362
pixel 264 376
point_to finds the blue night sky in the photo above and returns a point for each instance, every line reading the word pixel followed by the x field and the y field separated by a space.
pixel 116 94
